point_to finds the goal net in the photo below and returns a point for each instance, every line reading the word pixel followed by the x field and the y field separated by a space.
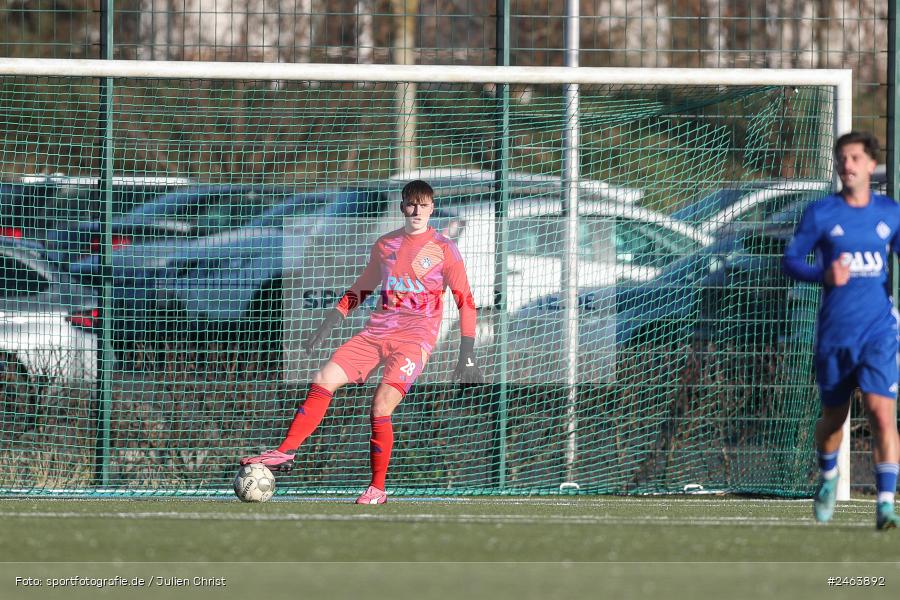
pixel 173 231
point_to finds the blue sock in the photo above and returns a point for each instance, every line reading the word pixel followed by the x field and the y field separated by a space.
pixel 886 481
pixel 827 463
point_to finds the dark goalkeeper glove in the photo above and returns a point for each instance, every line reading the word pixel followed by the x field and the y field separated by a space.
pixel 466 371
pixel 320 335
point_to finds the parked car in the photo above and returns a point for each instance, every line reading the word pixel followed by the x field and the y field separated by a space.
pixel 236 283
pixel 616 243
pixel 131 259
pixel 723 210
pixel 189 212
pixel 36 206
pixel 222 286
pixel 37 337
pixel 732 289
pixel 457 177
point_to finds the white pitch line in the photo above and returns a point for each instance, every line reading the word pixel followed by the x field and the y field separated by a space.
pixel 434 518
pixel 709 500
pixel 663 500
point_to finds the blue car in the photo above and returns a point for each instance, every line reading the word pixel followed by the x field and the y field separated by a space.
pixel 732 289
pixel 753 203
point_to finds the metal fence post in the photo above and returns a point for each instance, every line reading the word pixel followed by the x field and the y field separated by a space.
pixel 105 350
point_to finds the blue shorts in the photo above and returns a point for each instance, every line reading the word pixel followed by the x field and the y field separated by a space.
pixel 871 367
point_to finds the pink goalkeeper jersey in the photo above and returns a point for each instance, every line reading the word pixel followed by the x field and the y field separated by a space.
pixel 413 271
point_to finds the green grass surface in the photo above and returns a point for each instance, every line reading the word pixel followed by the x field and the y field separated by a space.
pixel 430 548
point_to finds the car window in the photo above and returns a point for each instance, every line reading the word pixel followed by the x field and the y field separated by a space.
pixel 358 203
pixel 761 211
pixel 127 199
pixel 301 204
pixel 534 237
pixel 708 206
pixel 216 211
pixel 230 212
pixel 18 279
pixel 649 244
pixel 633 244
pixel 545 236
pixel 198 207
pixel 78 203
pixel 450 199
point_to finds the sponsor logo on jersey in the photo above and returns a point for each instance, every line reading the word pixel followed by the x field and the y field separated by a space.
pixel 865 264
pixel 882 230
pixel 430 255
pixel 893 388
pixel 404 284
pixel 836 231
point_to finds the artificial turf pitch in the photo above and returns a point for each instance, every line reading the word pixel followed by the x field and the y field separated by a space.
pixel 540 547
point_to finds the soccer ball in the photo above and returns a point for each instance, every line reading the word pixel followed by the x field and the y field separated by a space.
pixel 254 483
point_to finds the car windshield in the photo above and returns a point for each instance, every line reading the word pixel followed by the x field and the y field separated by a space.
pixel 650 244
pixel 761 211
pixel 215 207
pixel 708 206
pixel 545 236
pixel 601 238
pixel 74 203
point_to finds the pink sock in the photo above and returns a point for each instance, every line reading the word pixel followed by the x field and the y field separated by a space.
pixel 380 449
pixel 308 417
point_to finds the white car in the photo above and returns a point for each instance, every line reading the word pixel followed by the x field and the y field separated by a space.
pixel 442 179
pixel 616 243
pixel 38 338
pixel 45 344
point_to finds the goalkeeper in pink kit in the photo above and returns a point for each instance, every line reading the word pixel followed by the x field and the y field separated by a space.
pixel 414 266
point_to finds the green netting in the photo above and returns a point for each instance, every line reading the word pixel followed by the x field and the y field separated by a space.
pixel 693 358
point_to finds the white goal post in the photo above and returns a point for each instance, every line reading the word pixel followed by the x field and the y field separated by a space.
pixel 839 80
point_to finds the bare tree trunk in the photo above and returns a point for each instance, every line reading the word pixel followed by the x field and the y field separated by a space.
pixel 821 32
pixel 808 26
pixel 772 59
pixel 633 39
pixel 662 37
pixel 159 25
pixel 714 42
pixel 365 34
pixel 404 54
